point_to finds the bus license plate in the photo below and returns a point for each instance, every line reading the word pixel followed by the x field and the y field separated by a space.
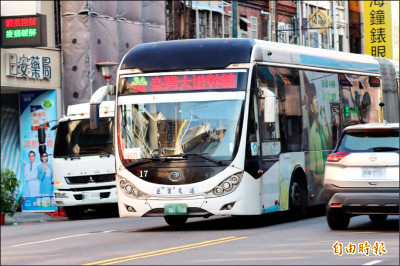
pixel 374 172
pixel 91 195
pixel 175 209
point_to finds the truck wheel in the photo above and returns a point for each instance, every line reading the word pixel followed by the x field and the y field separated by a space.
pixel 337 220
pixel 297 199
pixel 376 218
pixel 176 219
pixel 74 212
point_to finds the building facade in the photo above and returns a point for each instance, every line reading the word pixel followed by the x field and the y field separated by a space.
pixel 30 78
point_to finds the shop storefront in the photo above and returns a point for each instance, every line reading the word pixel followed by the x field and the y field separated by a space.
pixel 30 95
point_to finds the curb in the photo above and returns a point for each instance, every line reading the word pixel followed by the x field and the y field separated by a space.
pixel 31 217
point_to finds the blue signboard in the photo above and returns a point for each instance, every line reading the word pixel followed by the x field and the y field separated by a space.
pixel 36 108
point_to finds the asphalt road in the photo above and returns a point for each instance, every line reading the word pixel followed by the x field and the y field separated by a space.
pixel 256 240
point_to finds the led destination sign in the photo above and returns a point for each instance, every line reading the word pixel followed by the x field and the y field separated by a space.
pixel 23 31
pixel 210 81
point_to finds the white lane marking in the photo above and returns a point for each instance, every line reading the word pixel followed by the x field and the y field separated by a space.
pixel 372 262
pixel 64 237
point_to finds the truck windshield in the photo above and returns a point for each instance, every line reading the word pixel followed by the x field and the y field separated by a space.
pixel 174 125
pixel 75 138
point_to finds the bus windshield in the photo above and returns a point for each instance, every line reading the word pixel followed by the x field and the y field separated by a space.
pixel 172 125
pixel 75 138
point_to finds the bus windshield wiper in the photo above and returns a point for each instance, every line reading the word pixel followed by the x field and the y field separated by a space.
pixel 148 160
pixel 202 156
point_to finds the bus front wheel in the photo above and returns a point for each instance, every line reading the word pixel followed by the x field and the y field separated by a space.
pixel 176 219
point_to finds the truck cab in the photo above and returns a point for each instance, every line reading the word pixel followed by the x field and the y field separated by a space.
pixel 84 162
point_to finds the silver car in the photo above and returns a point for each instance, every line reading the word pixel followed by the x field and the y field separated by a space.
pixel 362 174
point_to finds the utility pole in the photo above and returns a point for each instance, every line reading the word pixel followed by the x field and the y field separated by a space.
pixel 272 7
pixel 234 19
pixel 300 18
pixel 335 34
pixel 197 22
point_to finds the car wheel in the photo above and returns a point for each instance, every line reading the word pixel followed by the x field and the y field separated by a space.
pixel 376 218
pixel 74 212
pixel 176 219
pixel 297 199
pixel 337 220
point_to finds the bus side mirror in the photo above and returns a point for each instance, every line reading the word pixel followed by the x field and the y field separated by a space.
pixel 42 139
pixel 94 116
pixel 41 134
pixel 269 105
pixel 95 102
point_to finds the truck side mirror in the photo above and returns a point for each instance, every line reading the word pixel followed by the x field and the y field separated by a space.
pixel 269 105
pixel 94 116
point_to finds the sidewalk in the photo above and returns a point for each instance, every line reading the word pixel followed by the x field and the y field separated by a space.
pixel 34 217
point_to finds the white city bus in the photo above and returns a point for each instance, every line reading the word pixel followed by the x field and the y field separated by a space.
pixel 232 126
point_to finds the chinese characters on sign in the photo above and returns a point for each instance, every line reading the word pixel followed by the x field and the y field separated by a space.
pixel 22 27
pixel 34 67
pixel 378 249
pixel 378 28
pixel 23 31
pixel 183 82
pixel 319 19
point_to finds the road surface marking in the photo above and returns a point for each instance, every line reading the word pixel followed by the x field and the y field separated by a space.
pixel 165 251
pixel 372 262
pixel 58 238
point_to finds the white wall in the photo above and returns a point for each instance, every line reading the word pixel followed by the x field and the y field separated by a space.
pixel 18 8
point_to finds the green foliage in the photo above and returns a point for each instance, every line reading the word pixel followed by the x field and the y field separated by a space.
pixel 9 186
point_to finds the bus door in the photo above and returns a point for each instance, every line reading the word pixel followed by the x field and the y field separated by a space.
pixel 269 139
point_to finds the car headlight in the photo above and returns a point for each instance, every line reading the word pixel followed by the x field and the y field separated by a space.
pixel 226 186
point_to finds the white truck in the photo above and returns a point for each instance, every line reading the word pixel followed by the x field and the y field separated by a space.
pixel 84 161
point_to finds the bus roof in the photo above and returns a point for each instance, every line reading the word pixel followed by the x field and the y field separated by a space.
pixel 219 53
pixel 314 57
pixel 188 54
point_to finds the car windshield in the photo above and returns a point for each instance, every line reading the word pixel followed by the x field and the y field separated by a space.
pixel 175 125
pixel 75 138
pixel 370 141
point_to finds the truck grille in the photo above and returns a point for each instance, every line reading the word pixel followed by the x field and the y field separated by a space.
pixel 90 179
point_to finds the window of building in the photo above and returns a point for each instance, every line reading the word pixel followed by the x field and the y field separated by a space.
pixel 254 28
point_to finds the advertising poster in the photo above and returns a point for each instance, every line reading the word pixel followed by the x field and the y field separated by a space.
pixel 321 95
pixel 37 107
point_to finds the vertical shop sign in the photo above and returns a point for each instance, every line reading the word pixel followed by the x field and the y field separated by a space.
pixel 37 107
pixel 378 28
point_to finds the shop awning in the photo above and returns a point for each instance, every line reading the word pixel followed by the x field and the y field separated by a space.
pixel 245 20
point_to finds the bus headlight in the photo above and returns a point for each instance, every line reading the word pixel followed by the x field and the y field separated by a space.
pixel 130 190
pixel 218 190
pixel 226 186
pixel 235 179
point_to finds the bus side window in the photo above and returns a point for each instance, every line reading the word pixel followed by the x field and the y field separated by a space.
pixel 290 114
pixel 270 143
